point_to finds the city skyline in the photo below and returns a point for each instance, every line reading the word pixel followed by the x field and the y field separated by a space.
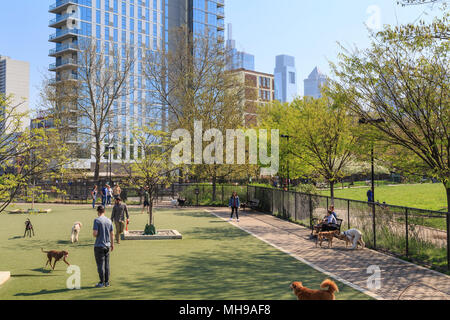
pixel 293 36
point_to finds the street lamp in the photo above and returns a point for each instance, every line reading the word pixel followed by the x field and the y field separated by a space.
pixel 289 178
pixel 372 121
pixel 110 162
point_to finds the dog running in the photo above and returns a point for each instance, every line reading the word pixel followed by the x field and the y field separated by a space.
pixel 303 293
pixel 326 235
pixel 75 231
pixel 57 255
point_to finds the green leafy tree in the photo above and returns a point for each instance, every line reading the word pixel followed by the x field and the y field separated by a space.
pixel 405 81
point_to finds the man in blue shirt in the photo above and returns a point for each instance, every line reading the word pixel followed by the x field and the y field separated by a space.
pixel 104 195
pixel 104 244
pixel 370 196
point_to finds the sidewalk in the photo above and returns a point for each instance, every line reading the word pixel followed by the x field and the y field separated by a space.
pixel 399 279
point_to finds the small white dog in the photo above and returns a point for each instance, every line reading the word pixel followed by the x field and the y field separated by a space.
pixel 353 236
pixel 174 202
pixel 76 231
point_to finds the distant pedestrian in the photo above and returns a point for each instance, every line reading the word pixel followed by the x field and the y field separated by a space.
pixel 108 194
pixel 146 199
pixel 117 191
pixel 94 193
pixel 370 196
pixel 103 231
pixel 234 204
pixel 103 193
pixel 119 212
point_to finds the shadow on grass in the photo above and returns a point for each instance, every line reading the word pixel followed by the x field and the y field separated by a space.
pixel 43 292
pixel 217 234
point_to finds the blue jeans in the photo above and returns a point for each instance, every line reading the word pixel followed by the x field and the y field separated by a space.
pixel 103 201
pixel 94 200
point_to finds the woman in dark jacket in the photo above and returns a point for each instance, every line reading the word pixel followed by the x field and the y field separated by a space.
pixel 234 204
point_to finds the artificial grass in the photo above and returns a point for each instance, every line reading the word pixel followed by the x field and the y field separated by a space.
pixel 214 261
pixel 427 196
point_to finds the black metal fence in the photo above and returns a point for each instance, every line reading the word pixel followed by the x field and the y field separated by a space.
pixel 416 234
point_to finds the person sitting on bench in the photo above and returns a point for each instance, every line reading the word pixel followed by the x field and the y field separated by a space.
pixel 329 223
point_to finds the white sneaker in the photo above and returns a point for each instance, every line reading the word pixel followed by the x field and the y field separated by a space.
pixel 231 219
pixel 237 220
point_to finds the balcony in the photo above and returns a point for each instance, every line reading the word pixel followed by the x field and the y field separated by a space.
pixel 60 21
pixel 63 64
pixel 63 34
pixel 61 5
pixel 68 77
pixel 63 49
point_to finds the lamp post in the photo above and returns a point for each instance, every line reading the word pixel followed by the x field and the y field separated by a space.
pixel 288 173
pixel 110 162
pixel 372 121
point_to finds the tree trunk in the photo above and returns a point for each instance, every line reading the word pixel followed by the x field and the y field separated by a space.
pixel 447 188
pixel 332 192
pixel 97 161
pixel 150 212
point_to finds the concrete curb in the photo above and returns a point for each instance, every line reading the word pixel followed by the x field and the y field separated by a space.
pixel 4 276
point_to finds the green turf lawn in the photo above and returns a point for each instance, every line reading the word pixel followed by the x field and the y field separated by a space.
pixel 213 261
pixel 423 196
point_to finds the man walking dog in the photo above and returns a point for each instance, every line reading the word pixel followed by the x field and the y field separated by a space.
pixel 104 244
pixel 118 217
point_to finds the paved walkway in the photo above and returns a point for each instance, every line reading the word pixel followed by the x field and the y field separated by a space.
pixel 399 279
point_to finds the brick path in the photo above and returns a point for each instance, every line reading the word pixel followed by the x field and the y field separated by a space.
pixel 399 279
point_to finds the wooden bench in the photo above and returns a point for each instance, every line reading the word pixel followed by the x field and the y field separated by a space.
pixel 252 204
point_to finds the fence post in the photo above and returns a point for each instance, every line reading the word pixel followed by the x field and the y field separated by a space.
pixel 310 212
pixel 348 214
pixel 374 227
pixel 295 209
pixel 273 201
pixel 407 232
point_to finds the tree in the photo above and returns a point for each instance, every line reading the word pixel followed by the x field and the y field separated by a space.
pixel 405 81
pixel 322 135
pixel 153 167
pixel 25 155
pixel 192 82
pixel 88 100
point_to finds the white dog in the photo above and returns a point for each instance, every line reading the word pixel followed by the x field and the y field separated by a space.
pixel 76 231
pixel 354 236
pixel 174 202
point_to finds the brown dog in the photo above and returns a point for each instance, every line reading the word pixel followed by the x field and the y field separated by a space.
pixel 57 255
pixel 304 293
pixel 327 235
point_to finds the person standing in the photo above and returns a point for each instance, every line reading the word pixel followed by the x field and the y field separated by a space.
pixel 108 194
pixel 146 199
pixel 103 232
pixel 118 217
pixel 94 193
pixel 370 196
pixel 234 204
pixel 104 192
pixel 117 191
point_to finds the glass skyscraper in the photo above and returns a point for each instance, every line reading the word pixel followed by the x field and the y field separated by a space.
pixel 137 23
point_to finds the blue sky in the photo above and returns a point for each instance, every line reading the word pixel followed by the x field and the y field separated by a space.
pixel 306 29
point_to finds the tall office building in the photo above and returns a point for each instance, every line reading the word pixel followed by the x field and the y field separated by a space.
pixel 239 59
pixel 285 79
pixel 137 23
pixel 200 16
pixel 15 81
pixel 314 83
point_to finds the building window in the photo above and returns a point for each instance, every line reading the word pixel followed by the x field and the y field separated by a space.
pixel 292 77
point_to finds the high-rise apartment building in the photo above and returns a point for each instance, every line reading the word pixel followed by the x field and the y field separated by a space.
pixel 313 84
pixel 140 24
pixel 15 82
pixel 239 59
pixel 285 79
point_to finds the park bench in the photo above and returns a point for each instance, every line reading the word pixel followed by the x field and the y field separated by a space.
pixel 252 204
